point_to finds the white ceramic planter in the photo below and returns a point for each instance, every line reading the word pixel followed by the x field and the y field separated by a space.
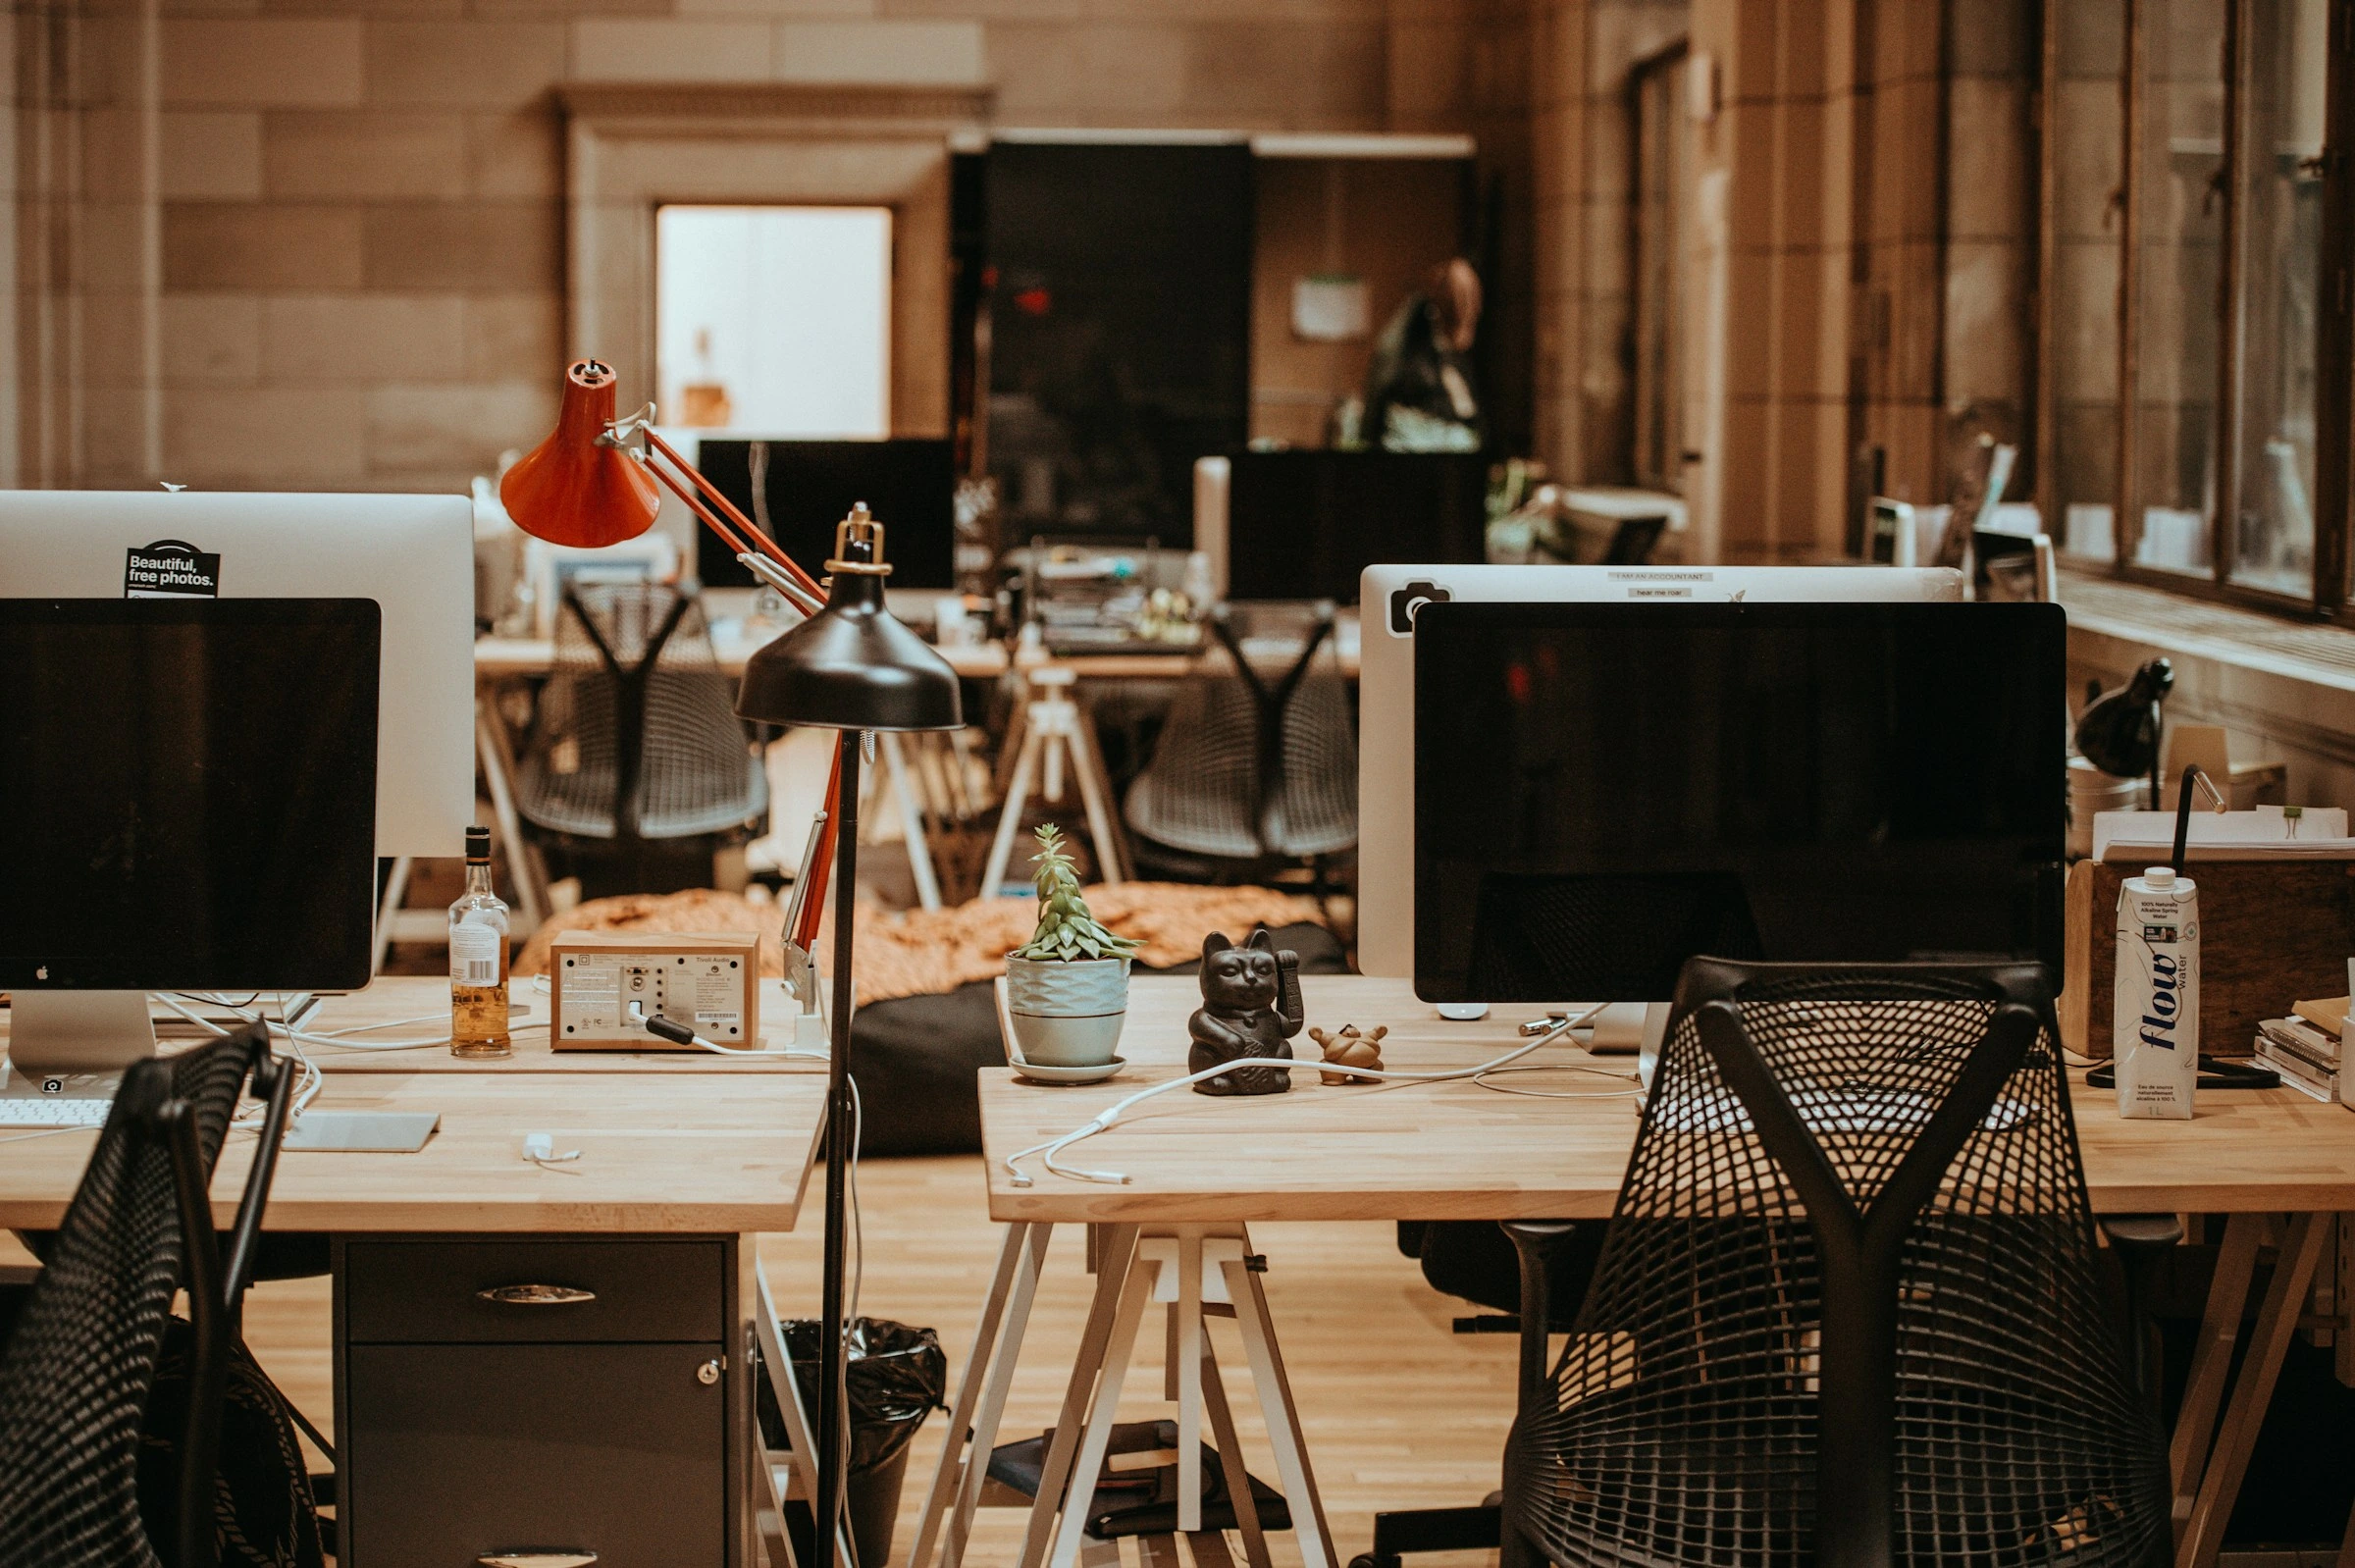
pixel 1067 1013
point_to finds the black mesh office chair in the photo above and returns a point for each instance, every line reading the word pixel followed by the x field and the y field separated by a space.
pixel 1248 773
pixel 636 736
pixel 77 1372
pixel 1848 1312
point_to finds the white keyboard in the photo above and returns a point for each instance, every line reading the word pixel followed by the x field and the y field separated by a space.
pixel 64 1110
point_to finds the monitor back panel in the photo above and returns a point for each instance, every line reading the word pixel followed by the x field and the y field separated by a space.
pixel 1390 595
pixel 909 484
pixel 412 555
pixel 1304 525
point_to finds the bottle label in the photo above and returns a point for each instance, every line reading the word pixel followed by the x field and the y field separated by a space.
pixel 474 953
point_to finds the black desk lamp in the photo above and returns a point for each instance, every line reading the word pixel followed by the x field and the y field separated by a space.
pixel 2120 731
pixel 851 667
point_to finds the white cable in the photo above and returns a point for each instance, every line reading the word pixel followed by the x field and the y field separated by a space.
pixel 1048 1150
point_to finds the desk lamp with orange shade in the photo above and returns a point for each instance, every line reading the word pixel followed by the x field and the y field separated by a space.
pixel 849 666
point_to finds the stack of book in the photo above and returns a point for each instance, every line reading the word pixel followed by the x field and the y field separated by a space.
pixel 2304 1048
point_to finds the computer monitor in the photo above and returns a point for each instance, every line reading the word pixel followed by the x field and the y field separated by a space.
pixel 1388 598
pixel 1305 525
pixel 412 555
pixel 1605 791
pixel 909 484
pixel 188 805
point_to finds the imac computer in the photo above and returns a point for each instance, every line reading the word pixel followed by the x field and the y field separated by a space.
pixel 413 556
pixel 188 805
pixel 1389 600
pixel 1603 791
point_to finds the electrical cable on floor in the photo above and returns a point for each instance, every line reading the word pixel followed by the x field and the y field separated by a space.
pixel 1051 1147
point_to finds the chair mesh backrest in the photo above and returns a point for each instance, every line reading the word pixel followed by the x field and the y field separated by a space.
pixel 1683 1422
pixel 695 774
pixel 1200 792
pixel 74 1379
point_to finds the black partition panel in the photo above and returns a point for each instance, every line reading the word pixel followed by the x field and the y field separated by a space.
pixel 1119 289
pixel 1303 524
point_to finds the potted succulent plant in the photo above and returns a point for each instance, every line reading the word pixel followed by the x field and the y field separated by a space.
pixel 1068 987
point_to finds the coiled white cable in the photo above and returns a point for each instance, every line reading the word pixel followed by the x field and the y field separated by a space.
pixel 1051 1147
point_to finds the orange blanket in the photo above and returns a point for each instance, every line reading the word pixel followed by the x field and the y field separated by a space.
pixel 926 952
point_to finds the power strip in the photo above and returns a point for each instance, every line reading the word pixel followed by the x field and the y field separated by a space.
pixel 708 981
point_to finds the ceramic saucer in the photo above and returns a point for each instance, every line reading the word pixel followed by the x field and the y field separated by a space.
pixel 1040 1072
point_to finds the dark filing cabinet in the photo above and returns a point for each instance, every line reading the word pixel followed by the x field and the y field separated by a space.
pixel 561 1398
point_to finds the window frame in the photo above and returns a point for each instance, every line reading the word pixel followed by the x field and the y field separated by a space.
pixel 2333 497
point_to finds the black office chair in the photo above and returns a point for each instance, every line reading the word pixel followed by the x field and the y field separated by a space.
pixel 76 1372
pixel 1247 774
pixel 635 736
pixel 1862 1324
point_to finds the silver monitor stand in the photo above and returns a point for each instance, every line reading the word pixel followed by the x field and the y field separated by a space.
pixel 78 1031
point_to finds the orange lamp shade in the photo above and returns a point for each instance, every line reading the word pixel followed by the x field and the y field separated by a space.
pixel 575 488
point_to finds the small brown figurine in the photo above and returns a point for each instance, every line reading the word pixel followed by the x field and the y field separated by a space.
pixel 1350 1049
pixel 1250 1007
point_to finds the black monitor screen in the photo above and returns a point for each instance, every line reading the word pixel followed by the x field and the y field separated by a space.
pixel 1605 791
pixel 909 484
pixel 1304 524
pixel 188 796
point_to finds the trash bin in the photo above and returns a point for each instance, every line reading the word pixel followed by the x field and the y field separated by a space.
pixel 896 1377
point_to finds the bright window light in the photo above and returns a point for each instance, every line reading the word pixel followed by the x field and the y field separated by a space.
pixel 775 321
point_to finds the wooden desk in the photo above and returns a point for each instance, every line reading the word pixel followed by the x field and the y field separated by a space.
pixel 510 658
pixel 2279 1165
pixel 1455 1151
pixel 392 998
pixel 466 1425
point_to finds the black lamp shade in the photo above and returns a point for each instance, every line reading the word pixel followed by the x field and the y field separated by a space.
pixel 852 666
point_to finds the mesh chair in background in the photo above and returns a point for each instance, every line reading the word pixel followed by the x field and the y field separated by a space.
pixel 1848 1311
pixel 635 736
pixel 1248 773
pixel 76 1372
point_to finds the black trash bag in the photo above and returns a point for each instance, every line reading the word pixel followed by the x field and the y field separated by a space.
pixel 896 1377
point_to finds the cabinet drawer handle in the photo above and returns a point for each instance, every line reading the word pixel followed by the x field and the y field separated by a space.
pixel 545 1557
pixel 537 1295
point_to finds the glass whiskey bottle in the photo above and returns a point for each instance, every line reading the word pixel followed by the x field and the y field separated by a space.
pixel 478 960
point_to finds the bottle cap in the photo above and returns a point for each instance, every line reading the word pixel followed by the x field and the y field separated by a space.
pixel 2160 878
pixel 478 843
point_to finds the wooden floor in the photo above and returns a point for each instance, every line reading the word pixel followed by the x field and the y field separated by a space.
pixel 1400 1412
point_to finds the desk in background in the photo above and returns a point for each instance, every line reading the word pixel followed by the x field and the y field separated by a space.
pixel 2276 1163
pixel 467 1425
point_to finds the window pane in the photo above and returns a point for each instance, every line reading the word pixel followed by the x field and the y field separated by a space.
pixel 2089 129
pixel 2180 167
pixel 774 321
pixel 2280 268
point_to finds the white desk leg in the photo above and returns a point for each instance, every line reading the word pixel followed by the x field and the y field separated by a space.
pixel 788 1391
pixel 1101 827
pixel 2253 1389
pixel 498 772
pixel 1056 721
pixel 1188 1355
pixel 1009 813
pixel 1230 1461
pixel 961 1439
pixel 1076 1495
pixel 1284 1420
pixel 993 1401
pixel 2211 1361
pixel 397 888
pixel 1114 1247
pixel 911 823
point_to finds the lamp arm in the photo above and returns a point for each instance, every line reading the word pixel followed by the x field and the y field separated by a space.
pixel 674 468
pixel 811 908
